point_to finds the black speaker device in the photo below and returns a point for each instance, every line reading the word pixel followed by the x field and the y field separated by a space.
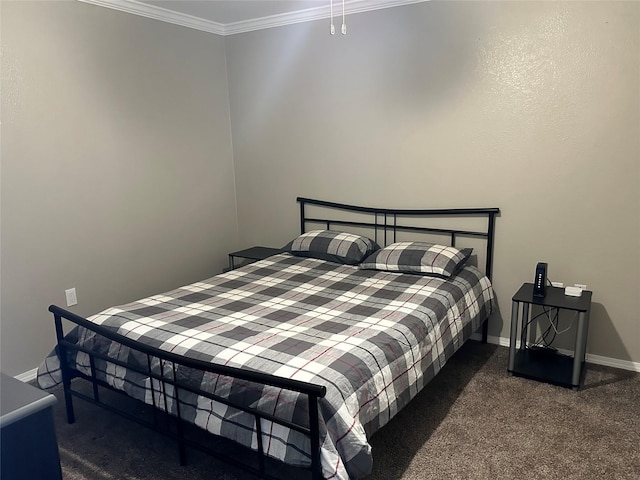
pixel 540 282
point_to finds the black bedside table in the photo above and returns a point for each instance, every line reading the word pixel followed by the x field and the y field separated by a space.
pixel 541 364
pixel 254 254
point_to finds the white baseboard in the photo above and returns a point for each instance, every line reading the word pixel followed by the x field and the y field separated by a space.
pixel 595 359
pixel 613 362
pixel 502 341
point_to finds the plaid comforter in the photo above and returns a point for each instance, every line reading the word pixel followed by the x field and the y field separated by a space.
pixel 374 339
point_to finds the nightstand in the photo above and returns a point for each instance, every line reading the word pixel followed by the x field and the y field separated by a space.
pixel 544 364
pixel 252 254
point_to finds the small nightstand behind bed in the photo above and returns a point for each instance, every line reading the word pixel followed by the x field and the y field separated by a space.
pixel 252 254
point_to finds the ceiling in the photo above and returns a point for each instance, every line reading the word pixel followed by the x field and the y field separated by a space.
pixel 226 17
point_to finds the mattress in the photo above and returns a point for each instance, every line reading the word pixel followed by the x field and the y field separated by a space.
pixel 372 338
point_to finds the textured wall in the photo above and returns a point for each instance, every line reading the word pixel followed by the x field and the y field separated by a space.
pixel 533 107
pixel 436 104
pixel 117 174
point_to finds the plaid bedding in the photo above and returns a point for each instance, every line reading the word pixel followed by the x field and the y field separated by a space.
pixel 339 247
pixel 418 257
pixel 374 339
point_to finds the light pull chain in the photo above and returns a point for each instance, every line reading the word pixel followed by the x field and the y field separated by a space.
pixel 344 25
pixel 343 29
pixel 333 27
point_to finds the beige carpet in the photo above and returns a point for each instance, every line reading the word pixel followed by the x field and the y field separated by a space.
pixel 472 421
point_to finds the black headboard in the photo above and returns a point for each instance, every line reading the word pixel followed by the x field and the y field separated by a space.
pixel 385 223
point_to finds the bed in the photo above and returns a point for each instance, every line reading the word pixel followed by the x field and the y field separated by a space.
pixel 302 356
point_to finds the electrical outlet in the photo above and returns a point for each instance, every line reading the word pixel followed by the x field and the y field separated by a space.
pixel 72 299
pixel 579 285
pixel 557 284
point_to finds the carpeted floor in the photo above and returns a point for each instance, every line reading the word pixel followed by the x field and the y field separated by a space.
pixel 472 421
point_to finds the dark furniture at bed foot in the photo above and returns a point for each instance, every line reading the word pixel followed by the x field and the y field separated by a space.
pixel 544 364
pixel 252 254
pixel 28 438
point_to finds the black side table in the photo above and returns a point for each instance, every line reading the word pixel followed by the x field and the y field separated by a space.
pixel 541 364
pixel 253 254
pixel 28 437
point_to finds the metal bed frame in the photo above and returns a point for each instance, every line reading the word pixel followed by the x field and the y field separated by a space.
pixel 386 223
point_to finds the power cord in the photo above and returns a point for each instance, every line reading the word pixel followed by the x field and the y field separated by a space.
pixel 542 340
pixel 522 333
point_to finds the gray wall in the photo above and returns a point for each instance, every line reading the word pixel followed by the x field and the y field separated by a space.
pixel 117 172
pixel 529 106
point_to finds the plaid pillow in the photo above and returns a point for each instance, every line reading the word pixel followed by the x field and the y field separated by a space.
pixel 418 257
pixel 333 246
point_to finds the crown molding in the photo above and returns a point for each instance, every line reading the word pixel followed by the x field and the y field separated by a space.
pixel 162 14
pixel 316 13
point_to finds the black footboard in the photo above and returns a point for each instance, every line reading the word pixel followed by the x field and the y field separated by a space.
pixel 168 381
